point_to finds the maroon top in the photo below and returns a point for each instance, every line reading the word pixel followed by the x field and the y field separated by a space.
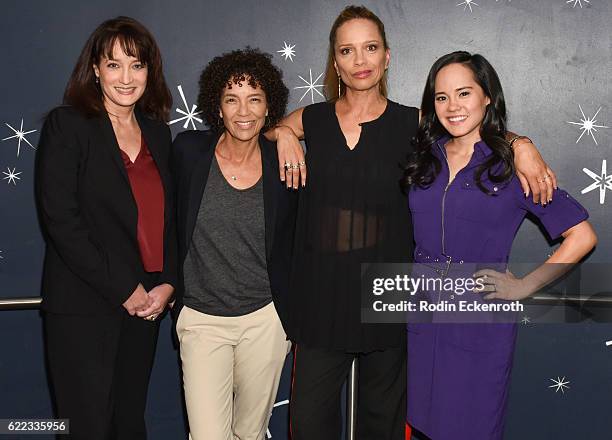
pixel 148 193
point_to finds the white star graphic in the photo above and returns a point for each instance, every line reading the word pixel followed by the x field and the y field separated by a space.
pixel 608 343
pixel 587 125
pixel 11 176
pixel 577 2
pixel 287 51
pixel 189 115
pixel 281 403
pixel 468 4
pixel 526 320
pixel 20 135
pixel 560 384
pixel 311 86
pixel 602 182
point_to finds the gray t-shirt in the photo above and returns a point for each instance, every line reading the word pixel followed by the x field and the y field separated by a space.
pixel 225 269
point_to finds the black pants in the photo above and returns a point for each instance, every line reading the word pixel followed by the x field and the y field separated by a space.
pixel 317 383
pixel 99 368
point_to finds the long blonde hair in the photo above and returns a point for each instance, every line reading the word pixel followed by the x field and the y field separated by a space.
pixel 331 76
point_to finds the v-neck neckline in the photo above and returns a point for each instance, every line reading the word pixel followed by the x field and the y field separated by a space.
pixel 362 125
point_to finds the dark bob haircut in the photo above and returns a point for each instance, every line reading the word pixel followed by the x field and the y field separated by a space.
pixel 423 166
pixel 85 94
pixel 245 65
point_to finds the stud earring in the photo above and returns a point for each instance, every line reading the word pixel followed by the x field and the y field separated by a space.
pixel 97 80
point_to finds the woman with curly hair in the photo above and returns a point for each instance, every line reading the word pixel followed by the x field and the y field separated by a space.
pixel 235 226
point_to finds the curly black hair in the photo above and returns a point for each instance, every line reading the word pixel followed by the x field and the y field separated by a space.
pixel 234 67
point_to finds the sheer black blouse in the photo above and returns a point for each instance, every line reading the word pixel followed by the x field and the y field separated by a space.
pixel 352 211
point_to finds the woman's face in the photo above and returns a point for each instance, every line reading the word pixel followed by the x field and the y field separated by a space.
pixel 460 102
pixel 123 79
pixel 360 56
pixel 243 109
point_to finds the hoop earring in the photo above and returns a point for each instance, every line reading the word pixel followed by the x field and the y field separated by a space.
pixel 339 90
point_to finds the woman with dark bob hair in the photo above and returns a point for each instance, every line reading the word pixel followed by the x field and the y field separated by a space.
pixel 467 205
pixel 106 207
pixel 235 233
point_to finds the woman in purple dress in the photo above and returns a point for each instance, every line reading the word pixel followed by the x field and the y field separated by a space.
pixel 467 205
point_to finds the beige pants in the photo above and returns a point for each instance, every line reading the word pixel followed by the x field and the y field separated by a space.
pixel 231 370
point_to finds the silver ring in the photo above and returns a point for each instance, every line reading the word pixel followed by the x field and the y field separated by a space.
pixel 294 166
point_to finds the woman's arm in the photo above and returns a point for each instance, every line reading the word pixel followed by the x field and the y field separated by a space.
pixel 535 175
pixel 577 242
pixel 287 134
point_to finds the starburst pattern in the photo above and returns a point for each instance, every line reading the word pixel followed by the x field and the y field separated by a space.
pixel 577 2
pixel 20 135
pixel 311 86
pixel 281 403
pixel 601 181
pixel 189 115
pixel 468 4
pixel 11 176
pixel 287 51
pixel 526 320
pixel 588 125
pixel 608 343
pixel 2 258
pixel 560 384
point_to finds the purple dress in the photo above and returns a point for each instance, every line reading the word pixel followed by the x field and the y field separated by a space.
pixel 458 374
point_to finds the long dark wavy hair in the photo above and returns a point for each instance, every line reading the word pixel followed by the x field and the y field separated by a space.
pixel 423 166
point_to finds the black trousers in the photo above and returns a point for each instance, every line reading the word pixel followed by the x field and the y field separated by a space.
pixel 318 377
pixel 99 368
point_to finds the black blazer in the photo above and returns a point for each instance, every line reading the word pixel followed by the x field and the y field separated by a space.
pixel 191 160
pixel 88 213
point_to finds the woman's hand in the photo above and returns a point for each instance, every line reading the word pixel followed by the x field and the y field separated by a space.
pixel 291 158
pixel 160 295
pixel 503 285
pixel 138 300
pixel 534 174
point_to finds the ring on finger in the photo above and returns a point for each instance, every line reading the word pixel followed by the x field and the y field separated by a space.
pixel 294 166
pixel 287 165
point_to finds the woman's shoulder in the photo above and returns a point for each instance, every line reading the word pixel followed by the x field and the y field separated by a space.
pixel 403 111
pixel 65 122
pixel 194 140
pixel 66 115
pixel 318 110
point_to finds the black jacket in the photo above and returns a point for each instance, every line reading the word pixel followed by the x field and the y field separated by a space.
pixel 88 213
pixel 191 160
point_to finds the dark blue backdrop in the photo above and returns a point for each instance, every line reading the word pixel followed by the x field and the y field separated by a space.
pixel 554 58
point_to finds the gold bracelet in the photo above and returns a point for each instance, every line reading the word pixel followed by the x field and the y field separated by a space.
pixel 514 139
